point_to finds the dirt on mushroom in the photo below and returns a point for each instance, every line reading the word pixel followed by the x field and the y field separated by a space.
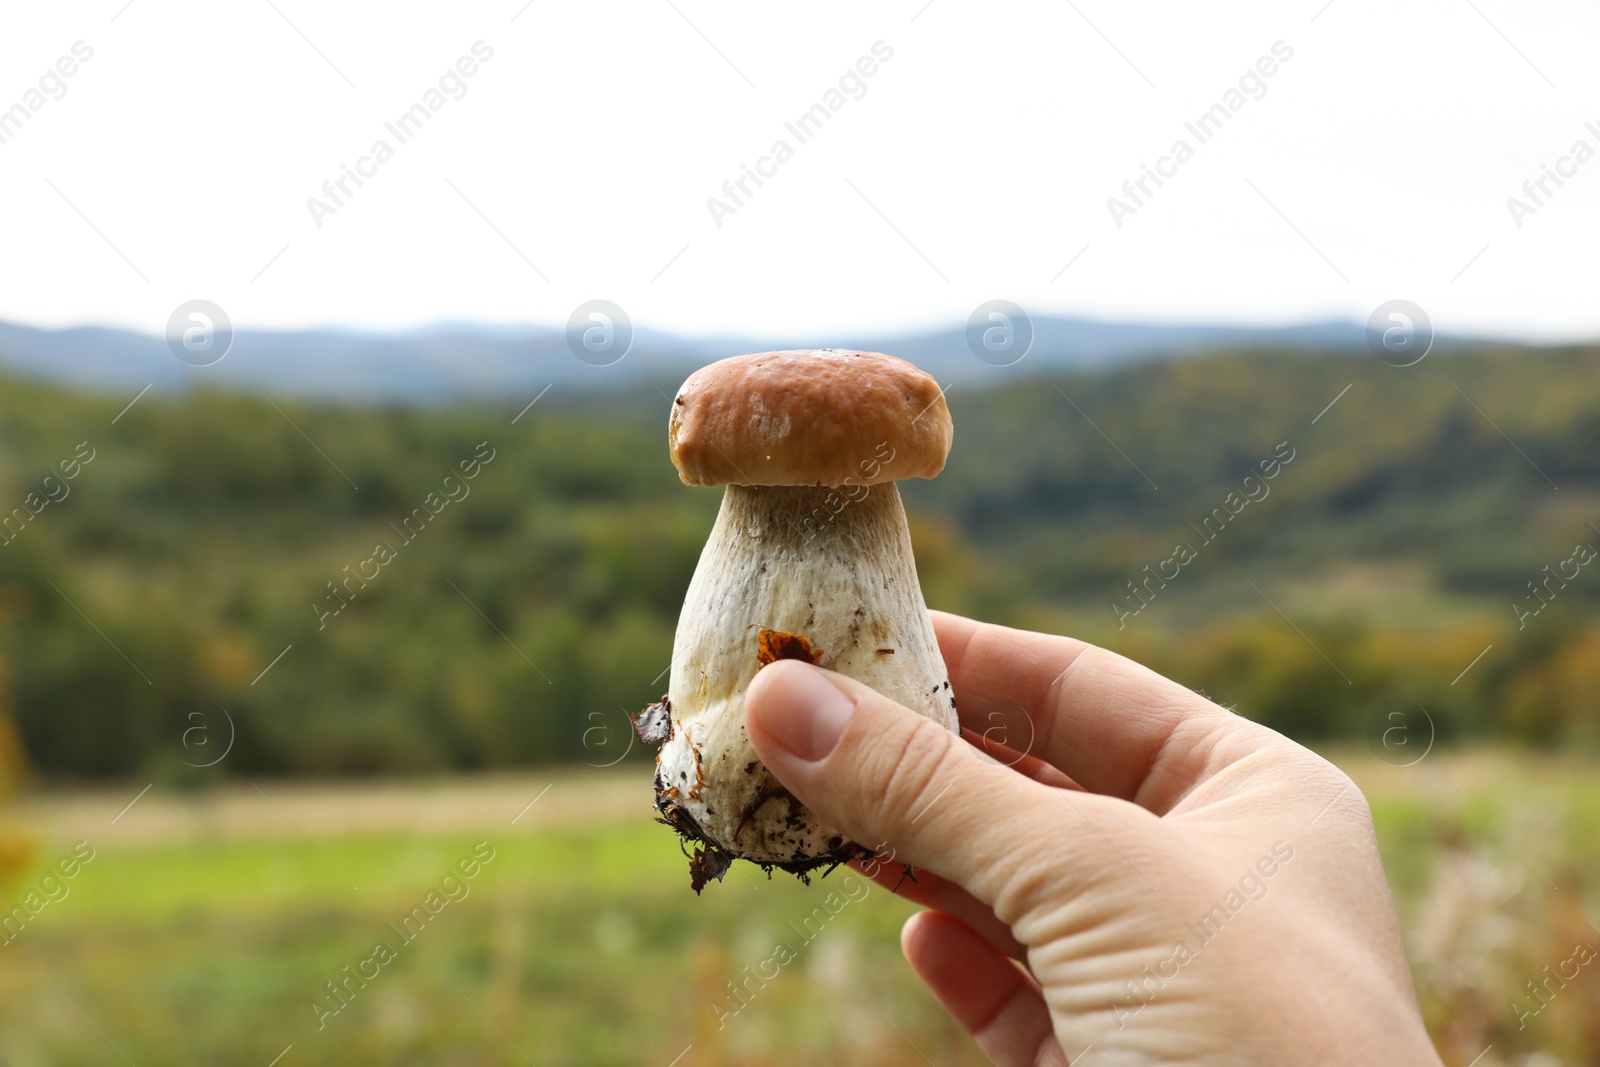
pixel 773 645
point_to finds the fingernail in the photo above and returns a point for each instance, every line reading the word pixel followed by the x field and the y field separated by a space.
pixel 804 712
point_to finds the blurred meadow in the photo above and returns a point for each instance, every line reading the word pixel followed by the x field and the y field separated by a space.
pixel 274 741
pixel 203 931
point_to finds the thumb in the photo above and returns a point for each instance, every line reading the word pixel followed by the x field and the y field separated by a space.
pixel 887 776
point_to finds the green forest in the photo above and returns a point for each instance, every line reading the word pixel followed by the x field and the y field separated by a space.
pixel 274 587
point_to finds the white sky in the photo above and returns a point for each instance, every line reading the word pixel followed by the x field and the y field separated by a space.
pixel 991 140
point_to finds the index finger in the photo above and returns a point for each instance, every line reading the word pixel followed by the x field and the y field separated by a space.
pixel 1107 722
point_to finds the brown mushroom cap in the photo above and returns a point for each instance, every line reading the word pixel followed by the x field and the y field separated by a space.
pixel 810 417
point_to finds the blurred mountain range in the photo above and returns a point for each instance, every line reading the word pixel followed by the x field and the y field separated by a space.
pixel 455 361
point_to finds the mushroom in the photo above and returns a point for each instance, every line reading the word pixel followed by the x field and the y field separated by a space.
pixel 810 558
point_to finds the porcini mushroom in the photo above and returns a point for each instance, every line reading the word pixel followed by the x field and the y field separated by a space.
pixel 810 558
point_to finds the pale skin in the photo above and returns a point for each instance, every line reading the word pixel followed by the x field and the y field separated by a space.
pixel 1095 817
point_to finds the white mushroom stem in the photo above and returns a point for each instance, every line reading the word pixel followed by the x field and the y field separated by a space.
pixel 833 566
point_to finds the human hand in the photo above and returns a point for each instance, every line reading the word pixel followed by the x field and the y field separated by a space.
pixel 1182 885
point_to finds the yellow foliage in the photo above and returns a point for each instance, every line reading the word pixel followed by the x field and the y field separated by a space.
pixel 16 846
pixel 1563 697
pixel 228 661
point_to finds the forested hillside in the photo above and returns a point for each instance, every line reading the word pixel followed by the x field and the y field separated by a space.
pixel 455 589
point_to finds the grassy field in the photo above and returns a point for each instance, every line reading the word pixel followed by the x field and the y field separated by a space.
pixel 205 927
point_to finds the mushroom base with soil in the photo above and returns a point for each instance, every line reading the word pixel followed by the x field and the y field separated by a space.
pixel 794 572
